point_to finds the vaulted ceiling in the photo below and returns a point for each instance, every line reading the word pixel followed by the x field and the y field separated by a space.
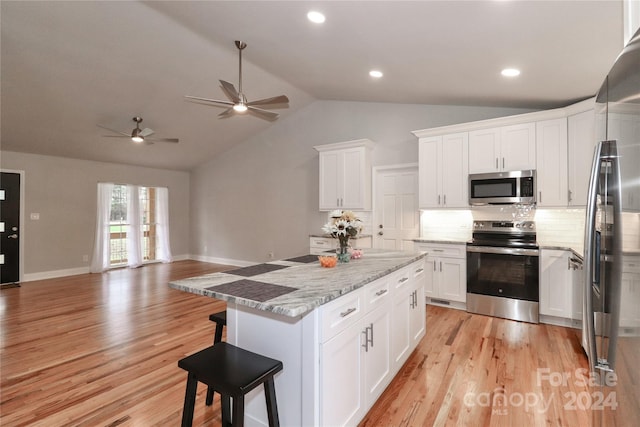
pixel 69 66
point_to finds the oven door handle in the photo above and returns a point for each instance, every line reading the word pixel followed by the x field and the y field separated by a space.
pixel 503 251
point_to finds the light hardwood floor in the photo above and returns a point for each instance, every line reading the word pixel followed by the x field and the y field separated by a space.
pixel 102 350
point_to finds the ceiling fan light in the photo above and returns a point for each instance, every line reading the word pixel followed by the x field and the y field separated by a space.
pixel 240 108
pixel 137 139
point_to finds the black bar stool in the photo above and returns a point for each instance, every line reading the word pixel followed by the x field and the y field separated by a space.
pixel 220 320
pixel 233 372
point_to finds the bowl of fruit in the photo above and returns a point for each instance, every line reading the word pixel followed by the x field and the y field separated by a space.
pixel 327 261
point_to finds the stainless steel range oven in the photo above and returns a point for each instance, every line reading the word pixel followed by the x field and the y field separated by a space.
pixel 502 270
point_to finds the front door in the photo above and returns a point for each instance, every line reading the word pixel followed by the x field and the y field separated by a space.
pixel 396 220
pixel 9 227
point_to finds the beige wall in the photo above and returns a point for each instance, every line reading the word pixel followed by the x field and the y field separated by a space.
pixel 63 192
pixel 261 196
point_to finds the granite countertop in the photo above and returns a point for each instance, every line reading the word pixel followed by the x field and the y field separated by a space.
pixel 329 236
pixel 296 286
pixel 452 242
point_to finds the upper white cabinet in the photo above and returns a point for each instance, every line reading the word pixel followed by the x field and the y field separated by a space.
pixel 625 129
pixel 551 159
pixel 582 141
pixel 443 169
pixel 506 148
pixel 345 175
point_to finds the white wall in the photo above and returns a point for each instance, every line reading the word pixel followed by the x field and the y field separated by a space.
pixel 63 192
pixel 262 195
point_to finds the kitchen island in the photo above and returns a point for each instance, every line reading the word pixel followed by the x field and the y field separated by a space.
pixel 331 328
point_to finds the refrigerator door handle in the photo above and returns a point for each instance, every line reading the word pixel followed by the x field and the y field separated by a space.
pixel 589 237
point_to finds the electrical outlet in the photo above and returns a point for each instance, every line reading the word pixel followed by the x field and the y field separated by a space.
pixel 85 258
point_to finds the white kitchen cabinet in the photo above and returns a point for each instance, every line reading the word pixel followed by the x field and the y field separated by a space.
pixel 445 275
pixel 443 169
pixel 360 334
pixel 578 284
pixel 551 161
pixel 556 284
pixel 581 143
pixel 345 175
pixel 507 148
pixel 630 293
pixel 321 245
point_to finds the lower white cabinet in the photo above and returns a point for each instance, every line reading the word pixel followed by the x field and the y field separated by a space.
pixel 445 272
pixel 365 339
pixel 560 284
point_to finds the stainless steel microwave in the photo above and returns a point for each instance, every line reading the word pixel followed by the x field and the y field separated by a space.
pixel 502 188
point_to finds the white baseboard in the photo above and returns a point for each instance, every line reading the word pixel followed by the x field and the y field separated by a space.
pixel 226 261
pixel 43 275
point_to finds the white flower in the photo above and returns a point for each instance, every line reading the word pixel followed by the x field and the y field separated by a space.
pixel 337 213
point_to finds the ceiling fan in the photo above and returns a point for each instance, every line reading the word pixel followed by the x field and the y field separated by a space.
pixel 138 135
pixel 238 103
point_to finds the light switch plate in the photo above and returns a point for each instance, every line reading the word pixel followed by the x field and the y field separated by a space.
pixel 35 216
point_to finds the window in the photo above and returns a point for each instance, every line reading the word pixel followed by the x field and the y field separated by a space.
pixel 132 226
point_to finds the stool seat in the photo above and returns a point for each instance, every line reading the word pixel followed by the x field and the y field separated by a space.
pixel 232 372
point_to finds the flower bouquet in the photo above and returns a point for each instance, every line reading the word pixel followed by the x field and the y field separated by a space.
pixel 343 225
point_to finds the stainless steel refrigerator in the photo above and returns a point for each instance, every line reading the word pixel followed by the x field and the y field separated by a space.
pixel 611 309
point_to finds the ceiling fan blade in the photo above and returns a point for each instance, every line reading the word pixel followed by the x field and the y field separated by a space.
pixel 116 131
pixel 215 101
pixel 263 114
pixel 282 99
pixel 146 132
pixel 227 113
pixel 231 91
pixel 117 136
pixel 174 140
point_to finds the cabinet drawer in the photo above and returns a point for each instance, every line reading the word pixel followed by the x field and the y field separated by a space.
pixel 401 278
pixel 322 243
pixel 377 293
pixel 631 264
pixel 441 250
pixel 340 314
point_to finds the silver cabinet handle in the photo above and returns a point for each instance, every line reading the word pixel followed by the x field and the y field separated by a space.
pixel 496 163
pixel 440 265
pixel 570 195
pixel 371 329
pixel 540 193
pixel 381 292
pixel 437 250
pixel 434 266
pixel 438 199
pixel 347 312
pixel 366 339
pixel 404 279
pixel 503 163
pixel 420 270
pixel 445 200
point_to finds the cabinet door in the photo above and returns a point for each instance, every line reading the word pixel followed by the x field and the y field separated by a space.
pixel 551 159
pixel 452 280
pixel 630 293
pixel 331 165
pixel 625 128
pixel 400 339
pixel 353 179
pixel 581 140
pixel 454 169
pixel 577 277
pixel 518 147
pixel 484 151
pixel 428 190
pixel 341 360
pixel 556 292
pixel 377 357
pixel 430 277
pixel 417 316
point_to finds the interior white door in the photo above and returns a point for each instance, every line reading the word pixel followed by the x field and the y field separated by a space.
pixel 396 219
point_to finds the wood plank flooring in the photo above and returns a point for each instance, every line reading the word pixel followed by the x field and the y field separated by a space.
pixel 102 350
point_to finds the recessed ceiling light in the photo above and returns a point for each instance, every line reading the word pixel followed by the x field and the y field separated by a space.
pixel 316 17
pixel 375 73
pixel 510 72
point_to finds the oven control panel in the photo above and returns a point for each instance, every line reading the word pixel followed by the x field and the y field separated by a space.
pixel 504 227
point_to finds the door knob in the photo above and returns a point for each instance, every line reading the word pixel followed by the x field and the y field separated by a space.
pixel 380 233
pixel 12 236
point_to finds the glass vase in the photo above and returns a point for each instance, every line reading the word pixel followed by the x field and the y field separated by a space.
pixel 343 253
